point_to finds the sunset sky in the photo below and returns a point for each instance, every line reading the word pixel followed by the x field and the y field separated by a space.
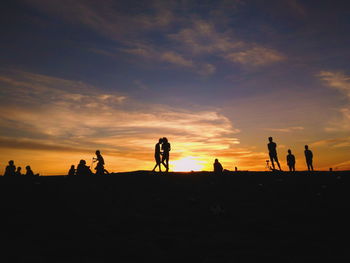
pixel 217 78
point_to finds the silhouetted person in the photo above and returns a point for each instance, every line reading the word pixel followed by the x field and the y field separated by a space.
pixel 291 161
pixel 273 153
pixel 308 157
pixel 165 157
pixel 10 170
pixel 71 171
pixel 18 171
pixel 82 169
pixel 218 167
pixel 100 170
pixel 29 171
pixel 157 155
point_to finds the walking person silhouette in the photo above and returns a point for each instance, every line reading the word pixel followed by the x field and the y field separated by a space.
pixel 165 157
pixel 157 154
pixel 291 161
pixel 273 153
pixel 308 157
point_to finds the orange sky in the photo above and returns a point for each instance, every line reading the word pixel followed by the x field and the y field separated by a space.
pixel 217 79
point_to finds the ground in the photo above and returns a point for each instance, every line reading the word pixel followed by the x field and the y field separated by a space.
pixel 198 217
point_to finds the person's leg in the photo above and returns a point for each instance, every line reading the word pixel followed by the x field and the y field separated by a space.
pixel 279 166
pixel 167 163
pixel 272 163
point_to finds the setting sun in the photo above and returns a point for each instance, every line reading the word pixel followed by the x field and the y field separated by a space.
pixel 187 164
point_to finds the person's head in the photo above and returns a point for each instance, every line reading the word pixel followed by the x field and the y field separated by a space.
pixel 306 147
pixel 98 152
pixel 216 160
pixel 165 139
pixel 11 162
pixel 160 140
pixel 27 167
pixel 19 168
pixel 72 167
pixel 289 151
pixel 270 139
pixel 82 162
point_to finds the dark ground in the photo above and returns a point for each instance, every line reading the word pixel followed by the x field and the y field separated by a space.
pixel 195 217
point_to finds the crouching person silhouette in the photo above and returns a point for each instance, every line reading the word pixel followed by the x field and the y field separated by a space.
pixel 10 170
pixel 218 169
pixel 82 169
pixel 29 171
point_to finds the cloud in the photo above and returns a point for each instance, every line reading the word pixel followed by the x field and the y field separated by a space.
pixel 336 80
pixel 202 37
pixel 286 130
pixel 341 82
pixel 333 143
pixel 168 32
pixel 44 113
pixel 257 56
pixel 170 57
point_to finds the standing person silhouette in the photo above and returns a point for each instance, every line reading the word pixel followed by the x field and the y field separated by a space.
pixel 157 155
pixel 308 157
pixel 166 149
pixel 291 161
pixel 100 169
pixel 10 170
pixel 273 153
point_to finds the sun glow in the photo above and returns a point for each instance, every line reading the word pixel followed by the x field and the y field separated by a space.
pixel 187 164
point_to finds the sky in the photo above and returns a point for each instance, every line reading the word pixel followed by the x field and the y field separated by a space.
pixel 217 78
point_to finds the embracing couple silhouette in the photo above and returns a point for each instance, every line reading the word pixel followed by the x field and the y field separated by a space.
pixel 161 154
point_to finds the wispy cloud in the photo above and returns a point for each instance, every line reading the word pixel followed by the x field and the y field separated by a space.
pixel 183 37
pixel 288 129
pixel 50 114
pixel 256 56
pixel 341 82
pixel 334 142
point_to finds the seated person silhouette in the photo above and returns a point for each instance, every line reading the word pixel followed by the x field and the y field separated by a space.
pixel 157 155
pixel 218 167
pixel 165 157
pixel 10 169
pixel 82 169
pixel 29 171
pixel 308 157
pixel 71 171
pixel 291 161
pixel 18 171
pixel 273 153
pixel 100 170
